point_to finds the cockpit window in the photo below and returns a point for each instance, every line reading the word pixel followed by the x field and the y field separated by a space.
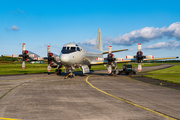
pixel 73 48
pixel 69 49
pixel 78 49
pixel 64 48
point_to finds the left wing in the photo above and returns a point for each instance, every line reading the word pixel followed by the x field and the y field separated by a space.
pixel 115 51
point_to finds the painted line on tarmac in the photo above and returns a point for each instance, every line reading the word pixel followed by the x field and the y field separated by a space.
pixel 8 119
pixel 171 118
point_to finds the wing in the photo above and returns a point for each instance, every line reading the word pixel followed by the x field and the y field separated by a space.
pixel 98 62
pixel 115 51
pixel 160 58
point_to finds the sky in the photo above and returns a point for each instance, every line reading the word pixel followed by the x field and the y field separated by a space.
pixel 123 23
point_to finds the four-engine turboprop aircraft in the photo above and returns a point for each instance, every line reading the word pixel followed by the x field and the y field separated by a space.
pixel 74 56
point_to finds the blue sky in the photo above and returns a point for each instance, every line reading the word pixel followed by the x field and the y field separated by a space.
pixel 124 24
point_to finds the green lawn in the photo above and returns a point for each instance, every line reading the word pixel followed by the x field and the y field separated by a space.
pixel 9 68
pixel 171 74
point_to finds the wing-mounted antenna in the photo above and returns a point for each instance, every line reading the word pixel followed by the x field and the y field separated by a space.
pixel 99 44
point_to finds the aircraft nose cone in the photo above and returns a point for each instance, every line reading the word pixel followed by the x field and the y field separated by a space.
pixel 65 59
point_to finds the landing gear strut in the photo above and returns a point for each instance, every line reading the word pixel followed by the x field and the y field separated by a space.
pixel 113 72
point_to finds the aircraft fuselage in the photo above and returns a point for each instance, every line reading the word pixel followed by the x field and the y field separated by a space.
pixel 77 55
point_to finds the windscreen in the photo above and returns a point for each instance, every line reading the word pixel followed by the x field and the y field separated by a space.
pixel 68 49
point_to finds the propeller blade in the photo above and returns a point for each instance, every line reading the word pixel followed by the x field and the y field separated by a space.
pixel 48 49
pixel 129 57
pixel 32 55
pixel 99 59
pixel 49 56
pixel 23 48
pixel 109 69
pixel 139 66
pixel 49 68
pixel 15 55
pixel 150 57
pixel 23 64
pixel 119 59
pixel 139 47
pixel 110 49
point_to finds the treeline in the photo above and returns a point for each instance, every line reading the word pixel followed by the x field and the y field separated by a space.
pixel 8 59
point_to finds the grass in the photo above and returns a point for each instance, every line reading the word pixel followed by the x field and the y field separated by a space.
pixel 172 70
pixel 10 68
pixel 171 74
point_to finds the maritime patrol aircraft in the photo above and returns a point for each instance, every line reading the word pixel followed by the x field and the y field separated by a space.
pixel 74 56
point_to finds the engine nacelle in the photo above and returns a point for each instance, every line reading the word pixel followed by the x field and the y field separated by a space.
pixel 150 57
pixel 129 57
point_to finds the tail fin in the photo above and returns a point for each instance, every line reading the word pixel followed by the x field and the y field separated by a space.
pixel 99 45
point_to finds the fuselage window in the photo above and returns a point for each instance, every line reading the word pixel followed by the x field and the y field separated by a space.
pixel 78 49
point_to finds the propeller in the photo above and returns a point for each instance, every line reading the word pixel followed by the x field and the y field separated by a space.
pixel 26 55
pixel 110 59
pixel 139 57
pixel 52 59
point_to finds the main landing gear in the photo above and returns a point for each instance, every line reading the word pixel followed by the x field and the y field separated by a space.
pixel 113 73
pixel 58 71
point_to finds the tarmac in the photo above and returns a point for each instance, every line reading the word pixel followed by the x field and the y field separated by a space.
pixel 93 96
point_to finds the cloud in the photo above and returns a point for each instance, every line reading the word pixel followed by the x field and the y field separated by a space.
pixel 90 42
pixel 140 36
pixel 16 12
pixel 14 28
pixel 173 44
pixel 6 28
pixel 20 11
pixel 145 35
